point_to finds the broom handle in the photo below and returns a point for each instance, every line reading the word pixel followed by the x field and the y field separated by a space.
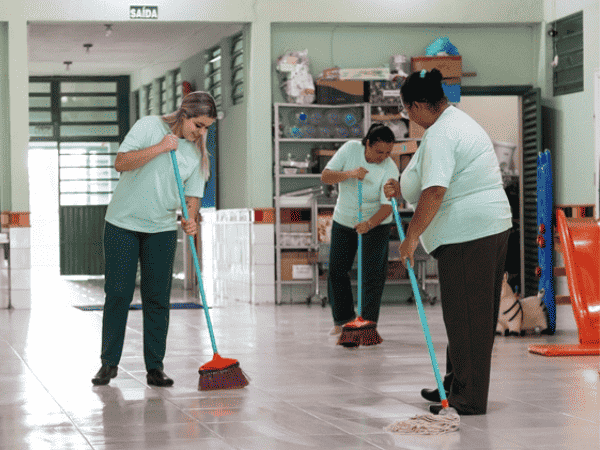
pixel 359 250
pixel 194 254
pixel 421 311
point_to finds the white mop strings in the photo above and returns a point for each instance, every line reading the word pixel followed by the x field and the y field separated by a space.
pixel 426 424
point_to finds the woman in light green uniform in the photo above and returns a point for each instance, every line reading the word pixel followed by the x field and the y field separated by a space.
pixel 463 219
pixel 369 162
pixel 141 224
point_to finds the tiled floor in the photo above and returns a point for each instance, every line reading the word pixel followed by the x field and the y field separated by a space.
pixel 304 393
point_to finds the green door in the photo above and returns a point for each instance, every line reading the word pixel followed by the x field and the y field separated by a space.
pixel 88 117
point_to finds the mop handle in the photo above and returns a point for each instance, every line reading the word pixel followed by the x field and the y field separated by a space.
pixel 421 311
pixel 359 275
pixel 194 254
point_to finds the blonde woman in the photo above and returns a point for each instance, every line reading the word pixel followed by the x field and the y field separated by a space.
pixel 141 224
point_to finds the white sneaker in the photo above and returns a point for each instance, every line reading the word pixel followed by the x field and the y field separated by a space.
pixel 337 329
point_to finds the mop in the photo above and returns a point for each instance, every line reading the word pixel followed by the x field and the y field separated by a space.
pixel 359 331
pixel 219 373
pixel 448 419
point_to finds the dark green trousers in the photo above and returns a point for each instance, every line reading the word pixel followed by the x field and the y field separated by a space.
pixel 342 253
pixel 156 252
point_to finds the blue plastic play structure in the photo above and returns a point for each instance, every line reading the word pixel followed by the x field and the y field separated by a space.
pixel 545 235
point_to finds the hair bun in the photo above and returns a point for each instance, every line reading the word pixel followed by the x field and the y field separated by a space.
pixel 437 74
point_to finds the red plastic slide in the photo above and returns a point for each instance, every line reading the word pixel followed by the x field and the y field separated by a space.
pixel 581 250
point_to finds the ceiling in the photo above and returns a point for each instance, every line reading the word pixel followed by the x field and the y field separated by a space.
pixel 131 46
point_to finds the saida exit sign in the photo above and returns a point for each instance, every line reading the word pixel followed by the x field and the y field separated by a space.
pixel 143 12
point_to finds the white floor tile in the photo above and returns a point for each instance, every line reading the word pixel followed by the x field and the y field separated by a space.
pixel 305 392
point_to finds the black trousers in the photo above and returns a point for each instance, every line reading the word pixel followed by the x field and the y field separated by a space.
pixel 470 275
pixel 375 249
pixel 156 252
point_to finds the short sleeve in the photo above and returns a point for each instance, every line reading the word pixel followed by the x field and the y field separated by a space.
pixel 439 161
pixel 391 171
pixel 142 134
pixel 339 160
pixel 194 185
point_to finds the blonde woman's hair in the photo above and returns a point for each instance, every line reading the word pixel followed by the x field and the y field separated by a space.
pixel 193 105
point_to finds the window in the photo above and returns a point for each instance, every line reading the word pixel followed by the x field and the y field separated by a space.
pixel 162 86
pixel 148 107
pixel 212 74
pixel 237 69
pixel 568 46
pixel 177 89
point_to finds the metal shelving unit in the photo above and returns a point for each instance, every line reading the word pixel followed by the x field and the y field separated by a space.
pixel 279 142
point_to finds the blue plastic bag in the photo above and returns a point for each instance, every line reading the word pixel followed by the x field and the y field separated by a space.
pixel 442 44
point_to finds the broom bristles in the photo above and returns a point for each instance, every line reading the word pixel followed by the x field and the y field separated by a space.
pixel 221 373
pixel 359 332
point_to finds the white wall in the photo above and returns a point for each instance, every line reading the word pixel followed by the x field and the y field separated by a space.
pixel 499 117
pixel 573 153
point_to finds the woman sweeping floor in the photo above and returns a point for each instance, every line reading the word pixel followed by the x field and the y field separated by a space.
pixel 141 224
pixel 369 162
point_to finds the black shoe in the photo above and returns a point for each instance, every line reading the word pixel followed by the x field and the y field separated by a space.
pixel 157 377
pixel 104 375
pixel 435 409
pixel 432 395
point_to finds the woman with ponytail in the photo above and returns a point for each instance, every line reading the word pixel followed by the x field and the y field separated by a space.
pixel 368 161
pixel 463 220
pixel 141 224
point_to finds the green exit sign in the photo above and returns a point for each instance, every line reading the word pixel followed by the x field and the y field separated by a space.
pixel 143 12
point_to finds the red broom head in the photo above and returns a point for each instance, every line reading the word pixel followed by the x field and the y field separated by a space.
pixel 218 363
pixel 359 322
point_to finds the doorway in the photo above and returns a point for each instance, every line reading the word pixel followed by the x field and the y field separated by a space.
pixel 529 144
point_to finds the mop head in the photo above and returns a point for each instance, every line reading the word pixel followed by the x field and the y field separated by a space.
pixel 359 332
pixel 428 424
pixel 221 373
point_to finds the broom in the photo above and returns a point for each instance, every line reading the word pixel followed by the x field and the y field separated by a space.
pixel 219 373
pixel 359 331
pixel 448 419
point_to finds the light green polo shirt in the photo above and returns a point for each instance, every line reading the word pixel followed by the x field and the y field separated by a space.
pixel 457 153
pixel 351 156
pixel 146 199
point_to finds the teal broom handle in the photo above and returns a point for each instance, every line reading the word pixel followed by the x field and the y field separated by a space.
pixel 360 188
pixel 194 254
pixel 421 311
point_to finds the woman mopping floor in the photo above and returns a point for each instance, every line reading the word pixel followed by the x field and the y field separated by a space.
pixel 463 219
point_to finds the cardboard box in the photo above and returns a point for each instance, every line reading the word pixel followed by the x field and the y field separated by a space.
pixel 450 66
pixel 297 265
pixel 381 73
pixel 415 131
pixel 396 271
pixel 335 92
pixel 402 152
